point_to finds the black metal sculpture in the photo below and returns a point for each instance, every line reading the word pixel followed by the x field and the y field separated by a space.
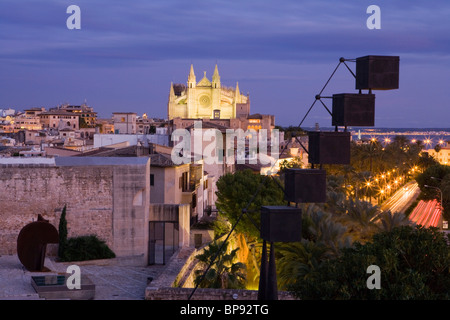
pixel 32 243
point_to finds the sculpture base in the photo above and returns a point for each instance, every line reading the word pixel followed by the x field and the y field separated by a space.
pixel 54 287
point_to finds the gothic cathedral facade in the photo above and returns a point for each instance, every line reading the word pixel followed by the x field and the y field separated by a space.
pixel 206 99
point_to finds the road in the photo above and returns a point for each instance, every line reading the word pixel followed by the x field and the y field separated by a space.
pixel 427 213
pixel 402 198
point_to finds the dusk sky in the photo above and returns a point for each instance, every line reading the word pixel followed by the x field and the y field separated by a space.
pixel 127 53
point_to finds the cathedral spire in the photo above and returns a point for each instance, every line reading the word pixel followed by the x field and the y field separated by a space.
pixel 237 94
pixel 172 92
pixel 216 78
pixel 191 78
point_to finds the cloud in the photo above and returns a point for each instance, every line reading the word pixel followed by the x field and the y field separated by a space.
pixel 115 33
pixel 288 47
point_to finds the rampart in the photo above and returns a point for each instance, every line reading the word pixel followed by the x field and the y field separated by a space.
pixel 108 197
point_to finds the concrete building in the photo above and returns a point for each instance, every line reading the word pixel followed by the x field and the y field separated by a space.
pixel 443 156
pixel 105 196
pixel 179 184
pixel 29 120
pixel 124 122
pixel 87 115
pixel 103 140
pixel 59 119
pixel 7 112
pixel 105 126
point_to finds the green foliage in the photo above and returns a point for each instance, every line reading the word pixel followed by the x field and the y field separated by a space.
pixel 62 230
pixel 86 248
pixel 292 131
pixel 235 192
pixel 221 226
pixel 323 238
pixel 425 161
pixel 374 157
pixel 224 273
pixel 438 172
pixel 414 264
pixel 295 162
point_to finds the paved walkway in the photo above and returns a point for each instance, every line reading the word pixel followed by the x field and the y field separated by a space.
pixel 112 282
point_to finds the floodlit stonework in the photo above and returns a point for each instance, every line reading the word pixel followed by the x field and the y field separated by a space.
pixel 206 99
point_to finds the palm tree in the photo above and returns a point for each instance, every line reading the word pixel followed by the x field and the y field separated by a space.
pixel 224 273
pixel 297 261
pixel 323 238
pixel 325 230
pixel 387 220
pixel 360 218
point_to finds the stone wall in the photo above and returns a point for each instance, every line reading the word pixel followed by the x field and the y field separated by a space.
pixel 207 294
pixel 109 200
pixel 28 191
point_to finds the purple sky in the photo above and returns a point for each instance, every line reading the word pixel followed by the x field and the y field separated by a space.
pixel 281 52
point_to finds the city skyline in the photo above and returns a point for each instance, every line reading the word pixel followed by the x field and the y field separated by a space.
pixel 125 57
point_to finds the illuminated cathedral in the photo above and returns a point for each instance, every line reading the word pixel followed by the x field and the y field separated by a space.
pixel 206 99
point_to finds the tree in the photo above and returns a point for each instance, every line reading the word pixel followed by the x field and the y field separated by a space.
pixel 224 273
pixel 360 218
pixel 236 190
pixel 425 161
pixel 323 238
pixel 414 264
pixel 295 162
pixel 62 230
pixel 437 148
pixel 297 261
pixel 387 220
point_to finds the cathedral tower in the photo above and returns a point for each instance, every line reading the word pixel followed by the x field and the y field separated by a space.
pixel 205 99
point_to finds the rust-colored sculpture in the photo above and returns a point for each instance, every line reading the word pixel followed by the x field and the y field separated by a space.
pixel 32 243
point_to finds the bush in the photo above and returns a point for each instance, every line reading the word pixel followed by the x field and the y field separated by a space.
pixel 414 264
pixel 86 248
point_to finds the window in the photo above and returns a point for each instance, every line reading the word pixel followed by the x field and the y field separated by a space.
pixel 184 181
pixel 152 179
pixel 216 114
pixel 122 119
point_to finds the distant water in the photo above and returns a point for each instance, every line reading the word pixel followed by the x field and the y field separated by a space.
pixel 430 136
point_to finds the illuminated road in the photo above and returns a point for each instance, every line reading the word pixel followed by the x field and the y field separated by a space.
pixel 402 198
pixel 427 213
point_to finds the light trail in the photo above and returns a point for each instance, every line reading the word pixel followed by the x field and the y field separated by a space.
pixel 402 198
pixel 426 213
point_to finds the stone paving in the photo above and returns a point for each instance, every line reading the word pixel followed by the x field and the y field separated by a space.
pixel 113 282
